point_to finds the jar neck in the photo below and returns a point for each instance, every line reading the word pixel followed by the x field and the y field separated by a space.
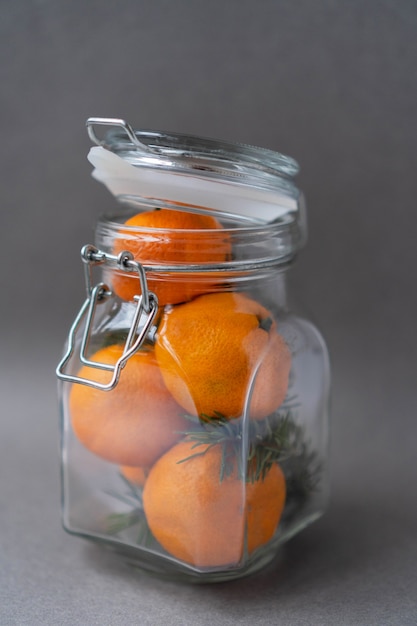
pixel 280 289
pixel 254 247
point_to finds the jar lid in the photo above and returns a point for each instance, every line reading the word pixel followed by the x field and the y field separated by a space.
pixel 247 183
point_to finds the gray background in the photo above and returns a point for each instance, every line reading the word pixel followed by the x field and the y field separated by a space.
pixel 332 84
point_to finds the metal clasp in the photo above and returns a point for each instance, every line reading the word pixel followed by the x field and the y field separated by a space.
pixel 92 122
pixel 144 315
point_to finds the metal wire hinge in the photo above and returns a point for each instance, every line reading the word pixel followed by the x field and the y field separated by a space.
pixel 143 317
pixel 93 122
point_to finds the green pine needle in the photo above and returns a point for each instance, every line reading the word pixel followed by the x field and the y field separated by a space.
pixel 276 439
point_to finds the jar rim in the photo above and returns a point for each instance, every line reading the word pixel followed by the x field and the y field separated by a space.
pixel 255 246
pixel 240 226
pixel 251 188
pixel 183 151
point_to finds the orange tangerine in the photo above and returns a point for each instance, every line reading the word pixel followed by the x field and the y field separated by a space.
pixel 216 349
pixel 169 236
pixel 201 519
pixel 134 423
pixel 135 475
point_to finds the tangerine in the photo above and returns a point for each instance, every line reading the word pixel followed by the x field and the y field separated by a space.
pixel 202 519
pixel 135 475
pixel 170 236
pixel 221 350
pixel 134 423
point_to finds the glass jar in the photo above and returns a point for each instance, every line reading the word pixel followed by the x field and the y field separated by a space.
pixel 194 401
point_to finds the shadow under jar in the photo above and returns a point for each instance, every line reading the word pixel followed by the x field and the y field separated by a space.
pixel 194 401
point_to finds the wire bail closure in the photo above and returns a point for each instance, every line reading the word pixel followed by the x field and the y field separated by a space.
pixel 147 307
pixel 92 122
